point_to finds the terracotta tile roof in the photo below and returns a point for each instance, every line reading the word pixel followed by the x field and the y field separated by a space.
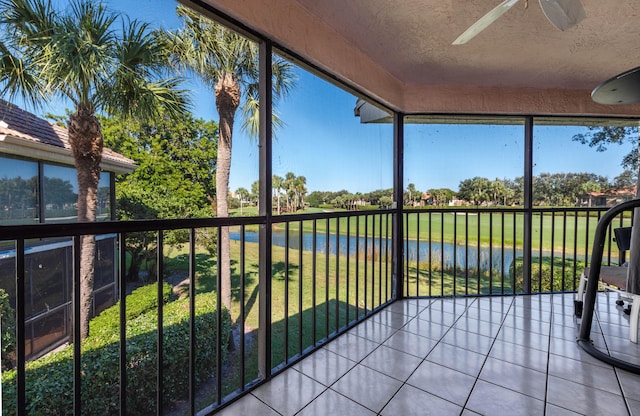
pixel 631 191
pixel 26 126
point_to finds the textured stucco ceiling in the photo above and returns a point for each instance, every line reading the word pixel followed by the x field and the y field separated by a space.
pixel 412 40
pixel 400 51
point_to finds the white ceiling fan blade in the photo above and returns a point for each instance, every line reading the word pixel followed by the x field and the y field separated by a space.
pixel 563 14
pixel 484 22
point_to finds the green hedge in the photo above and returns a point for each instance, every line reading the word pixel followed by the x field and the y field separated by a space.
pixel 140 301
pixel 542 269
pixel 368 207
pixel 8 334
pixel 49 380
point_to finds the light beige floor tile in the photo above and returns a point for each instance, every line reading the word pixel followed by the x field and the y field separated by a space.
pixel 289 392
pixel 410 343
pixel 367 387
pixel 584 373
pixel 248 405
pixel 444 382
pixel 392 362
pixel 490 399
pixel 325 366
pixel 468 340
pixel 465 361
pixel 584 399
pixel 439 352
pixel 425 328
pixel 411 401
pixel 392 319
pixel 352 346
pixel 333 403
pixel 514 377
pixel 521 355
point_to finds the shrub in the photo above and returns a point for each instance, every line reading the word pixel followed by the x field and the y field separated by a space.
pixel 140 301
pixel 542 269
pixel 50 379
pixel 368 207
pixel 8 334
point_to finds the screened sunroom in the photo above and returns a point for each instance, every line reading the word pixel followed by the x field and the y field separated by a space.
pixel 399 295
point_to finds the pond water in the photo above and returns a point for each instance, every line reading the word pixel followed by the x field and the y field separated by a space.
pixel 445 254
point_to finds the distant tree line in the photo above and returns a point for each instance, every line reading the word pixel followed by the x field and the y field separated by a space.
pixel 344 199
pixel 549 189
pixel 289 193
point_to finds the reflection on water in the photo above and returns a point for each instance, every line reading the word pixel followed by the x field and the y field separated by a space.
pixel 444 254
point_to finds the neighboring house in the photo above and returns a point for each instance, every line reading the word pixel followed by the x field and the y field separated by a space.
pixel 358 203
pixel 426 199
pixel 455 202
pixel 38 184
pixel 608 198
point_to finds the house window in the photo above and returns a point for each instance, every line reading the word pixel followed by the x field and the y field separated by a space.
pixel 60 191
pixel 18 191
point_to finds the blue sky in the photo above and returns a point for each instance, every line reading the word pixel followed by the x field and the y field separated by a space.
pixel 323 141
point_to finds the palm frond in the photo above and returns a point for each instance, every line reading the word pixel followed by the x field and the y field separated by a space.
pixel 142 49
pixel 24 27
pixel 80 56
pixel 32 20
pixel 284 77
pixel 138 87
pixel 17 79
pixel 211 51
pixel 251 116
pixel 179 51
pixel 136 97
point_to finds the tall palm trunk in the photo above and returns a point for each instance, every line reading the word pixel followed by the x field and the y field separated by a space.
pixel 227 93
pixel 278 199
pixel 85 137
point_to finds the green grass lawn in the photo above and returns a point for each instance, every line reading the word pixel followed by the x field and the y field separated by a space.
pixel 549 232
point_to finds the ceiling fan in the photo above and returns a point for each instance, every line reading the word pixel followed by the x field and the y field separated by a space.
pixel 563 14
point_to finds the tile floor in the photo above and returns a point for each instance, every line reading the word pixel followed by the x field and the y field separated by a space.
pixel 467 356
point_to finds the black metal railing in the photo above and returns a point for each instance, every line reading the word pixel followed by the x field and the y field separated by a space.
pixel 479 251
pixel 328 271
pixel 325 272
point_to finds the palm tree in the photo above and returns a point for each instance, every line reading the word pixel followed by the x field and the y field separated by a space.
pixel 277 183
pixel 99 61
pixel 289 190
pixel 227 63
pixel 301 190
pixel 255 193
pixel 411 190
pixel 243 196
